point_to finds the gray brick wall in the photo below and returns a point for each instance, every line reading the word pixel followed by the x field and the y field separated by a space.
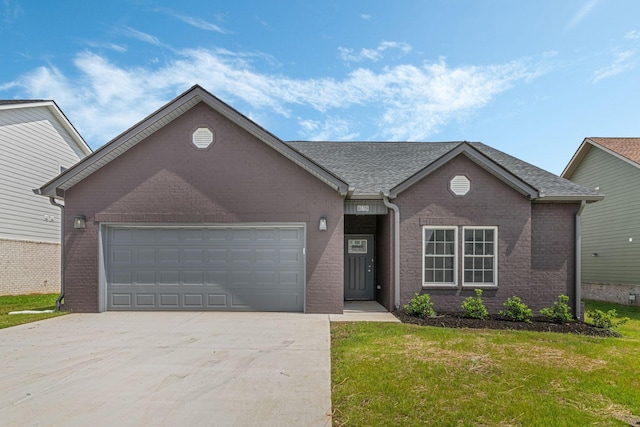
pixel 238 179
pixel 553 252
pixel 29 267
pixel 489 203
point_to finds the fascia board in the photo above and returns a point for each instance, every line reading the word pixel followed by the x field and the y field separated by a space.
pixel 576 159
pixel 77 138
pixel 577 198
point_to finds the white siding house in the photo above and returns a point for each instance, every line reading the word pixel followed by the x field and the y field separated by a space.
pixel 37 142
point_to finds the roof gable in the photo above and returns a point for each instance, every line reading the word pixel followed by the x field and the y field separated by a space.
pixel 157 120
pixel 477 157
pixel 53 108
pixel 625 149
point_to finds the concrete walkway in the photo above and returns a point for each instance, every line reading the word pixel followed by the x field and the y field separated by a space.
pixel 363 311
pixel 167 369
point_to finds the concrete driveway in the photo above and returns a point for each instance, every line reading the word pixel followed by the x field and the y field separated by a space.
pixel 167 369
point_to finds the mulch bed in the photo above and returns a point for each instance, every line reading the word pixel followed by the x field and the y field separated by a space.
pixel 539 324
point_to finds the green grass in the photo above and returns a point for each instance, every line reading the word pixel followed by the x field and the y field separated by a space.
pixel 405 375
pixel 26 302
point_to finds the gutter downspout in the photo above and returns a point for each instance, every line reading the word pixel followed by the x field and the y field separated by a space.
pixel 396 247
pixel 52 200
pixel 578 303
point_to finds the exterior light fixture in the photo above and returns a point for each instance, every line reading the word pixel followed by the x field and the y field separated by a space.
pixel 79 222
pixel 323 224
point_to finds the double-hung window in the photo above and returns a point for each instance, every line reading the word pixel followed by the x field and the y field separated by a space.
pixel 439 250
pixel 479 252
pixel 480 262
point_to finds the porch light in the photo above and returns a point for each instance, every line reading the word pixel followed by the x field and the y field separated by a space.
pixel 79 222
pixel 323 224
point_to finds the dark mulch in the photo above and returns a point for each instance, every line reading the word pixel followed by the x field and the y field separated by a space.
pixel 539 324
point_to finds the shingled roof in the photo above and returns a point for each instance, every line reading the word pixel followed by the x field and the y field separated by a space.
pixel 372 167
pixel 20 101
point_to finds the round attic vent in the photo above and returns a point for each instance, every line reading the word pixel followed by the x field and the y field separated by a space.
pixel 460 185
pixel 202 138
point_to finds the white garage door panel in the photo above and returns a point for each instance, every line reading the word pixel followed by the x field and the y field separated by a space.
pixel 224 268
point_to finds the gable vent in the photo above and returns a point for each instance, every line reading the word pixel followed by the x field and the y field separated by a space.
pixel 460 185
pixel 202 138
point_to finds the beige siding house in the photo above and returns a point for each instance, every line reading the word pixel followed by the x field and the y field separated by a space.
pixel 611 228
pixel 37 142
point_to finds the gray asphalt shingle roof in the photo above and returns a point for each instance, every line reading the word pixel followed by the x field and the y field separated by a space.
pixel 371 167
pixel 19 101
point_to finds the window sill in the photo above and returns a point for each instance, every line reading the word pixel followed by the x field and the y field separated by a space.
pixel 479 286
pixel 439 286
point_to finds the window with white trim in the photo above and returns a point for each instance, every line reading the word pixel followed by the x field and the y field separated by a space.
pixel 480 262
pixel 439 255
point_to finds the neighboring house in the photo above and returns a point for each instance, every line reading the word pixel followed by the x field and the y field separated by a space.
pixel 198 207
pixel 37 142
pixel 611 229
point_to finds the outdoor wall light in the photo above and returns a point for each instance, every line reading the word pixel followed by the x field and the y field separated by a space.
pixel 594 254
pixel 323 224
pixel 79 222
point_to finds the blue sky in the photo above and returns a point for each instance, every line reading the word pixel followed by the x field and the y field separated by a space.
pixel 531 78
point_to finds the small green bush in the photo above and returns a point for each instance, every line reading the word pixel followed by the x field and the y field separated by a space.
pixel 559 312
pixel 516 310
pixel 605 320
pixel 474 308
pixel 420 306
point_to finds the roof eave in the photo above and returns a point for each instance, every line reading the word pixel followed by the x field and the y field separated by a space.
pixel 570 198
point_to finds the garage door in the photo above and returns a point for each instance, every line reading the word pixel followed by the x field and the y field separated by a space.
pixel 206 268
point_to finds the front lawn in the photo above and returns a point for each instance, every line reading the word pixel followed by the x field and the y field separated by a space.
pixel 26 302
pixel 407 375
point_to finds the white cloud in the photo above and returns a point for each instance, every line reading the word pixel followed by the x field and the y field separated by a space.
pixel 144 37
pixel 581 14
pixel 632 35
pixel 376 54
pixel 365 16
pixel 623 61
pixel 200 23
pixel 10 12
pixel 401 102
pixel 110 46
pixel 329 129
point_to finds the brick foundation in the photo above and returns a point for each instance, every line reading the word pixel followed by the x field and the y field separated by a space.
pixel 29 267
pixel 611 292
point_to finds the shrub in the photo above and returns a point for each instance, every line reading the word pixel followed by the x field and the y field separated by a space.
pixel 474 308
pixel 605 320
pixel 516 310
pixel 420 306
pixel 559 312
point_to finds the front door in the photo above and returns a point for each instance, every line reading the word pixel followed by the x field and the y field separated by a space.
pixel 358 267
